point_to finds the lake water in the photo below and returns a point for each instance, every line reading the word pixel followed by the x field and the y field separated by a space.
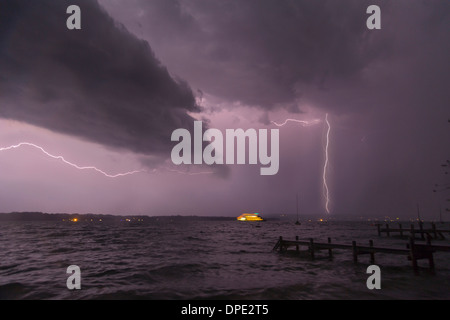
pixel 184 259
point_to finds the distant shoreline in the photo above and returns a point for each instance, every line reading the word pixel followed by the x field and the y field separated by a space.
pixel 91 217
pixel 42 216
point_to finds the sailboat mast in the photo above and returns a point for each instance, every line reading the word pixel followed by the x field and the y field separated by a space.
pixel 297 222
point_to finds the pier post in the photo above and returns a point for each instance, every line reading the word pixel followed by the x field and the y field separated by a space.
pixel 431 261
pixel 422 236
pixel 355 253
pixel 296 246
pixel 372 254
pixel 311 247
pixel 428 239
pixel 379 229
pixel 412 255
pixel 412 231
pixel 433 226
pixel 387 229
pixel 401 230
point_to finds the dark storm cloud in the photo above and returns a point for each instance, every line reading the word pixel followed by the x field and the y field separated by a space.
pixel 262 53
pixel 293 52
pixel 100 83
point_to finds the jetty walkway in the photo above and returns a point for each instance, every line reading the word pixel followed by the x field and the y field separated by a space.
pixel 412 251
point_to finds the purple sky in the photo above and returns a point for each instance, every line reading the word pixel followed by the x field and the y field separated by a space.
pixel 110 95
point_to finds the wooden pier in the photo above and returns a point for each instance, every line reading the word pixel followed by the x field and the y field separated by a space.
pixel 413 251
pixel 425 234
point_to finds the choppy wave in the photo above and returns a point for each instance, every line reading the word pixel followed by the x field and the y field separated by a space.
pixel 202 260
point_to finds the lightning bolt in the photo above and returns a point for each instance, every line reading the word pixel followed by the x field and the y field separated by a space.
pixel 306 123
pixel 68 162
pixel 190 173
pixel 326 190
pixel 61 158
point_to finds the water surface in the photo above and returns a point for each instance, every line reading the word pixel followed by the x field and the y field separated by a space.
pixel 183 259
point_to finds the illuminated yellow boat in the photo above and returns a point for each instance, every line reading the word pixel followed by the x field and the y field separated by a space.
pixel 250 217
